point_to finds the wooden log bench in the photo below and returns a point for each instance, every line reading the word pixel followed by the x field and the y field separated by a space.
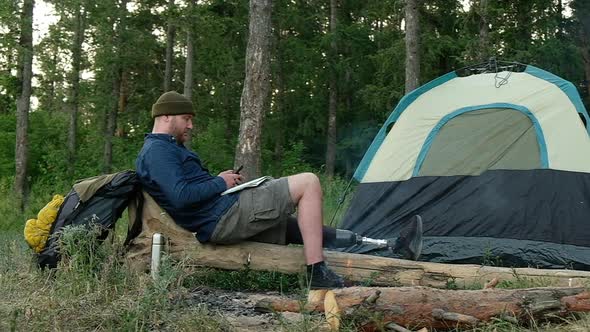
pixel 356 268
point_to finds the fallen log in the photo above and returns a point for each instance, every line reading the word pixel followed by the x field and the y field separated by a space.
pixel 356 268
pixel 424 307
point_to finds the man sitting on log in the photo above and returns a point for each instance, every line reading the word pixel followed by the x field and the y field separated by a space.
pixel 183 187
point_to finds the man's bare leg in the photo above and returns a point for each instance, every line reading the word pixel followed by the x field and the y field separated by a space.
pixel 306 193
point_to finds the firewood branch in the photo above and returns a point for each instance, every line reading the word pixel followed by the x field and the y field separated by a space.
pixel 454 317
pixel 421 307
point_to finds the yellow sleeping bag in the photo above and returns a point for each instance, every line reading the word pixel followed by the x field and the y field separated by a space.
pixel 37 230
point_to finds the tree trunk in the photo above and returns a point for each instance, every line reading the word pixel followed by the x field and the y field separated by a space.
pixel 53 100
pixel 412 45
pixel 484 32
pixel 188 76
pixel 170 34
pixel 279 111
pixel 111 125
pixel 378 271
pixel 111 116
pixel 524 25
pixel 256 90
pixel 23 102
pixel 333 99
pixel 122 101
pixel 73 101
pixel 581 13
pixel 423 307
pixel 188 68
pixel 560 26
pixel 585 50
pixel 357 268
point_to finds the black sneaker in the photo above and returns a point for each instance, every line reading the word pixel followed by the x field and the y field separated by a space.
pixel 409 242
pixel 320 276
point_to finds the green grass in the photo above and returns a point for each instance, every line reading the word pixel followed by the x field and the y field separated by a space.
pixel 336 199
pixel 92 292
pixel 243 280
pixel 94 289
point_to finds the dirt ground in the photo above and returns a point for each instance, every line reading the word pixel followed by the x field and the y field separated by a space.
pixel 238 309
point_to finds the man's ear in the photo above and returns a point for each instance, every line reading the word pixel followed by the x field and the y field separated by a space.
pixel 162 119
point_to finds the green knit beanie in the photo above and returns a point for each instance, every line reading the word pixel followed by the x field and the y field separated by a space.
pixel 172 103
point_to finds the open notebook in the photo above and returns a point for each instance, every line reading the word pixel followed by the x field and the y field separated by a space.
pixel 249 184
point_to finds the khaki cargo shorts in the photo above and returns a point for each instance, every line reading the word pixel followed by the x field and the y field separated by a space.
pixel 260 215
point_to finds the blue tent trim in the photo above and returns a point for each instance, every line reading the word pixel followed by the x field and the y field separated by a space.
pixel 567 87
pixel 399 109
pixel 434 132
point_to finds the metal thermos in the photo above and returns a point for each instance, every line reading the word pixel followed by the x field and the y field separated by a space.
pixel 157 247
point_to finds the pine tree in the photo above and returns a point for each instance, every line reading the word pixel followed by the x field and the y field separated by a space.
pixel 255 95
pixel 23 103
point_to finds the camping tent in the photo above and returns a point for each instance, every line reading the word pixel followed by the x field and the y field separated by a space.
pixel 495 159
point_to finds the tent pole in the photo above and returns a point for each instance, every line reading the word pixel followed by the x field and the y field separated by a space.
pixel 340 201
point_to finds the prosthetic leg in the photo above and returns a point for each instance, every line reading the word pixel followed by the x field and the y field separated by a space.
pixel 408 244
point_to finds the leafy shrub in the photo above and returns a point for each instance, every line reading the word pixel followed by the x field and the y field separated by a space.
pixel 216 152
pixel 338 193
pixel 293 160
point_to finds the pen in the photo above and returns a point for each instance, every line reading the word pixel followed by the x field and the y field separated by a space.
pixel 239 169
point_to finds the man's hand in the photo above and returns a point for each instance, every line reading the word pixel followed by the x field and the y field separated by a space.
pixel 231 179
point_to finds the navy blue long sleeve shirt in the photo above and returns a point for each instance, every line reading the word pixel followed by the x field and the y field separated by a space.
pixel 176 179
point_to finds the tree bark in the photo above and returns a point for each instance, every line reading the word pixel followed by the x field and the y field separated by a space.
pixel 188 76
pixel 560 26
pixel 170 35
pixel 423 307
pixel 412 44
pixel 123 98
pixel 586 55
pixel 279 111
pixel 111 125
pixel 585 50
pixel 53 100
pixel 357 268
pixel 188 66
pixel 23 103
pixel 333 99
pixel 111 116
pixel 277 95
pixel 73 102
pixel 484 32
pixel 256 90
pixel 378 271
pixel 524 25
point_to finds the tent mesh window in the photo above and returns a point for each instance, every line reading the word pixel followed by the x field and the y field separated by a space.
pixel 476 141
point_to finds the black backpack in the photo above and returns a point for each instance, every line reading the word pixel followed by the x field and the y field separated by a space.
pixel 101 207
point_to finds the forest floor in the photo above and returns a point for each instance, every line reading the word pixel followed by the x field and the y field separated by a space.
pixel 101 292
pixel 238 309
